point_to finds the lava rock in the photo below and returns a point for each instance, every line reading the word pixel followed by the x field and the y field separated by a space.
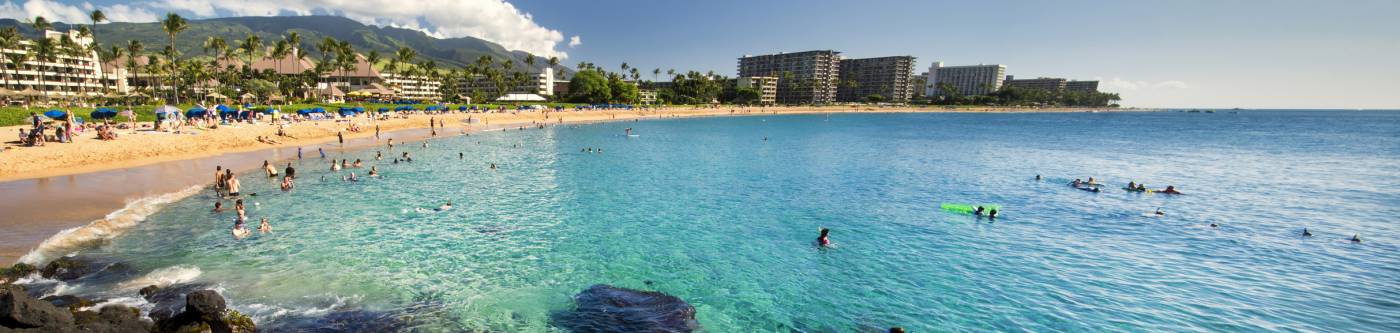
pixel 18 310
pixel 169 301
pixel 12 273
pixel 70 268
pixel 205 310
pixel 112 318
pixel 604 308
pixel 70 302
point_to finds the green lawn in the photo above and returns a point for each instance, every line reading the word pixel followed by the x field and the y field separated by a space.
pixel 12 115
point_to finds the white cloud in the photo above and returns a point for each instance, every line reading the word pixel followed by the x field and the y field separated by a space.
pixel 493 20
pixel 575 41
pixel 58 12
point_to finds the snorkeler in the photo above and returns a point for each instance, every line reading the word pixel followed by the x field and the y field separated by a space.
pixel 992 214
pixel 445 206
pixel 1169 190
pixel 1306 233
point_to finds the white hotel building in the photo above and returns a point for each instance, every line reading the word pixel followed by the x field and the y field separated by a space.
pixel 68 76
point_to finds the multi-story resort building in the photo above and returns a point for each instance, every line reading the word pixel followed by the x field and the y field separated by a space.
pixel 541 83
pixel 1085 86
pixel 767 87
pixel 889 77
pixel 1042 83
pixel 1052 84
pixel 964 80
pixel 413 87
pixel 803 78
pixel 65 75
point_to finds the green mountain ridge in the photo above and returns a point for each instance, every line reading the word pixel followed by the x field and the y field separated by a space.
pixel 448 52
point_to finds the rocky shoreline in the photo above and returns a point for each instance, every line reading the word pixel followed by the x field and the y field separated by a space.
pixel 176 309
pixel 194 307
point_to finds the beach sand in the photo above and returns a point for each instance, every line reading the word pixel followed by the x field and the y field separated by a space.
pixel 45 190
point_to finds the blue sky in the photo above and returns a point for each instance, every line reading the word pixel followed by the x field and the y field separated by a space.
pixel 1184 53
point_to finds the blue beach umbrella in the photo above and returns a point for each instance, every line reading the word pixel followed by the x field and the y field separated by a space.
pixel 55 114
pixel 383 109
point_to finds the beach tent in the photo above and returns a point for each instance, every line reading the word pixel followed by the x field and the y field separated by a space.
pixel 383 109
pixel 222 108
pixel 166 109
pixel 195 112
pixel 521 98
pixel 55 114
pixel 359 109
pixel 318 110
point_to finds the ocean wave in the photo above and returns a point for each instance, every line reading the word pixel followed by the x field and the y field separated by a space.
pixel 104 229
pixel 165 277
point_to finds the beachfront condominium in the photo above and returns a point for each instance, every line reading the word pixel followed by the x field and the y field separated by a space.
pixel 415 87
pixel 1040 83
pixel 808 77
pixel 75 69
pixel 489 88
pixel 890 78
pixel 964 80
pixel 1084 86
pixel 767 87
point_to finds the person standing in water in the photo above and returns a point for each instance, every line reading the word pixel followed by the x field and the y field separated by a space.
pixel 218 179
pixel 823 240
pixel 291 172
pixel 264 227
pixel 269 169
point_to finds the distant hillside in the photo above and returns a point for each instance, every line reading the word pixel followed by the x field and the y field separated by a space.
pixel 451 52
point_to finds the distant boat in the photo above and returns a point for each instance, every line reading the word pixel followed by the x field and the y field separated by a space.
pixel 1210 111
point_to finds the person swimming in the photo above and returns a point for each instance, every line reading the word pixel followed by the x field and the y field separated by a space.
pixel 1132 185
pixel 1169 190
pixel 978 211
pixel 239 231
pixel 460 155
pixel 823 240
pixel 1159 212
pixel 445 206
pixel 493 166
pixel 373 171
pixel 1076 182
pixel 378 155
pixel 992 215
pixel 357 163
pixel 1214 225
pixel 335 166
pixel 352 177
pixel 1037 177
pixel 287 183
pixel 1306 233
pixel 218 207
pixel 264 227
pixel 1356 238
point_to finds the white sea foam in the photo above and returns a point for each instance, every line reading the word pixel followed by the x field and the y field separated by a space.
pixel 165 277
pixel 103 229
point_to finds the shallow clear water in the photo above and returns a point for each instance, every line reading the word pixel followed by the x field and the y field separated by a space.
pixel 707 210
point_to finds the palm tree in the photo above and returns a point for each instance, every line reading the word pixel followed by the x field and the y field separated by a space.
pixel 280 50
pixel 116 53
pixel 373 58
pixel 655 72
pixel 44 50
pixel 251 46
pixel 405 55
pixel 70 48
pixel 530 61
pixel 133 49
pixel 174 25
pixel 9 40
pixel 97 16
pixel 553 63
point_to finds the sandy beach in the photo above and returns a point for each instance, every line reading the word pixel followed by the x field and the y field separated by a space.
pixel 45 190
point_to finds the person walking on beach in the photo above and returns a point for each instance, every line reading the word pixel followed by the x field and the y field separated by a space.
pixel 341 136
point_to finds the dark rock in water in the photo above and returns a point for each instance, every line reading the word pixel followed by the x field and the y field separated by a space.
pixel 148 291
pixel 205 310
pixel 69 302
pixel 169 301
pixel 112 318
pixel 18 310
pixel 19 270
pixel 109 274
pixel 604 308
pixel 72 268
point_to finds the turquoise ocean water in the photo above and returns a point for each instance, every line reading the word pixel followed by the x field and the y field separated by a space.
pixel 711 212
